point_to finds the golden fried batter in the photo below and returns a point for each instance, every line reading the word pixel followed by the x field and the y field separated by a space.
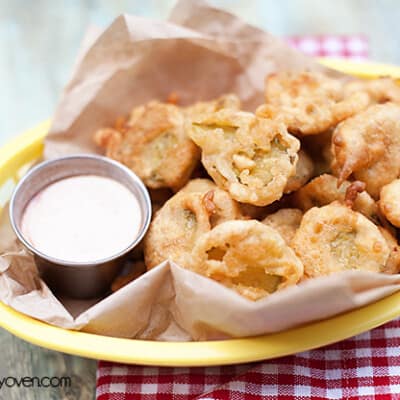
pixel 154 144
pixel 389 202
pixel 252 158
pixel 285 221
pixel 324 190
pixel 368 146
pixel 175 229
pixel 352 192
pixel 304 171
pixel 196 110
pixel 198 185
pixel 220 205
pixel 309 103
pixel 335 238
pixel 182 220
pixel 248 257
pixel 393 263
pixel 380 90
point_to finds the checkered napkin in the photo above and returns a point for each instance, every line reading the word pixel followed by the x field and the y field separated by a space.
pixel 353 47
pixel 364 367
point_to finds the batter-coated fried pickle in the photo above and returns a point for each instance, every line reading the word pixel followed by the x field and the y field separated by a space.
pixel 252 158
pixel 175 229
pixel 248 257
pixel 198 185
pixel 335 238
pixel 304 171
pixel 221 206
pixel 389 202
pixel 368 146
pixel 182 220
pixel 352 193
pixel 154 144
pixel 285 221
pixel 309 103
pixel 380 90
pixel 324 190
pixel 196 110
pixel 393 263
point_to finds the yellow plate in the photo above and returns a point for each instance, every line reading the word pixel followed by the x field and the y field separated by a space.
pixel 29 146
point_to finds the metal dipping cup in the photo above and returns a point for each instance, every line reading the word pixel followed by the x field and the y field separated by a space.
pixel 75 279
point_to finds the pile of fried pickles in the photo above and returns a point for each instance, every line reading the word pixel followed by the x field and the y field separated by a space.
pixel 304 187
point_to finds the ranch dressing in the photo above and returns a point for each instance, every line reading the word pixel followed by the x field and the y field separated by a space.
pixel 83 218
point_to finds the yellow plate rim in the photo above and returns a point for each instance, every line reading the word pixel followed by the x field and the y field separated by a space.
pixel 230 351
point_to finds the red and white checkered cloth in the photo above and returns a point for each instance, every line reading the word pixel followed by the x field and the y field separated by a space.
pixel 364 367
pixel 353 47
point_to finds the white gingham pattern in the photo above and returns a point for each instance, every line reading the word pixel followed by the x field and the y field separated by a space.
pixel 354 47
pixel 365 367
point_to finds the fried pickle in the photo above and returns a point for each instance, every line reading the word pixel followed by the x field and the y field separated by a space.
pixel 380 90
pixel 285 221
pixel 389 202
pixel 252 158
pixel 304 171
pixel 221 206
pixel 183 219
pixel 335 238
pixel 393 263
pixel 198 185
pixel 154 144
pixel 247 256
pixel 309 103
pixel 324 189
pixel 196 110
pixel 368 146
pixel 175 229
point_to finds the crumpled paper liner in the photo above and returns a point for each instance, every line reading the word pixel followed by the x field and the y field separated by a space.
pixel 201 53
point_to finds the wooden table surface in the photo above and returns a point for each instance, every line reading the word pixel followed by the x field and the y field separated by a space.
pixel 20 359
pixel 38 43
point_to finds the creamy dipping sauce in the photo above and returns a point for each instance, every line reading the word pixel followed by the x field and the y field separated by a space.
pixel 82 219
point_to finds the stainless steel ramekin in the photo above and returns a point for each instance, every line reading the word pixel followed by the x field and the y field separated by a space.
pixel 75 279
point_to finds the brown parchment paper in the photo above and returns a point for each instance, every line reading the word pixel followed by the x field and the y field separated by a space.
pixel 200 53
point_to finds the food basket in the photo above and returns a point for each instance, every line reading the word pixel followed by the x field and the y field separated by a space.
pixel 19 154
